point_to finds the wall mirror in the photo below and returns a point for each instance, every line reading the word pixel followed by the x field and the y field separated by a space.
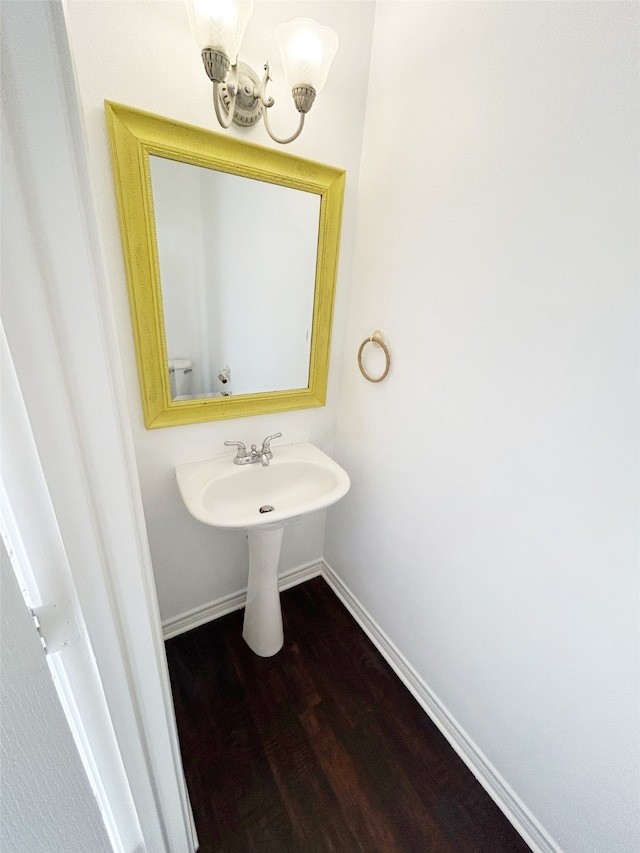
pixel 231 255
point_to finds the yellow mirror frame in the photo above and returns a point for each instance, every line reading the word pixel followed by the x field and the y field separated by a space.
pixel 134 135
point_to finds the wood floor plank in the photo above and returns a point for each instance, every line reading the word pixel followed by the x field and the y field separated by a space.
pixel 320 748
pixel 236 801
pixel 385 767
pixel 277 689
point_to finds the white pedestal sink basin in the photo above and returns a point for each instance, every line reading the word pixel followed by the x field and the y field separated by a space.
pixel 298 480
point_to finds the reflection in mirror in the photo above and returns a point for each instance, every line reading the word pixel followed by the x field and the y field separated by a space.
pixel 231 253
pixel 237 264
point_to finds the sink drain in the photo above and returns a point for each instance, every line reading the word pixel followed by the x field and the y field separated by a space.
pixel 266 508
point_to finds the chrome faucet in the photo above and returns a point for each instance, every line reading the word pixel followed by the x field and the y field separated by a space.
pixel 263 455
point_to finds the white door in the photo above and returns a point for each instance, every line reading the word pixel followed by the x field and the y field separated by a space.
pixel 46 802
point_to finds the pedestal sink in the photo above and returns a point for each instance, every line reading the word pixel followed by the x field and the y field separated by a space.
pixel 262 499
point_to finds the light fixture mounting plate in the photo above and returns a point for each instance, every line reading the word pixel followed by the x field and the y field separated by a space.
pixel 248 108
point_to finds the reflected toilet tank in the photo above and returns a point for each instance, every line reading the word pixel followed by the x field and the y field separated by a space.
pixel 180 377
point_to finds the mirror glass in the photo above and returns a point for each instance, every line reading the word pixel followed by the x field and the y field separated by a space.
pixel 237 262
pixel 231 254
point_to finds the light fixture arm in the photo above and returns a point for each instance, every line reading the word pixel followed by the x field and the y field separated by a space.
pixel 289 138
pixel 262 90
pixel 224 113
pixel 269 102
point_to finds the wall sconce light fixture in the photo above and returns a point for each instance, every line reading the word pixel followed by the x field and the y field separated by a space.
pixel 307 51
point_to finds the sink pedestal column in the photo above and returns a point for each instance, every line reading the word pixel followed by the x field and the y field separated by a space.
pixel 262 628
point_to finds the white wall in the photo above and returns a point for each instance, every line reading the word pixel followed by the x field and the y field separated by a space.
pixel 491 528
pixel 262 265
pixel 177 193
pixel 143 54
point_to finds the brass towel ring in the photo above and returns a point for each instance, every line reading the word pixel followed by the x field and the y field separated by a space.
pixel 378 339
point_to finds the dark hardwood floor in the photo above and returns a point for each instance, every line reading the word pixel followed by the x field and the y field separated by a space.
pixel 319 748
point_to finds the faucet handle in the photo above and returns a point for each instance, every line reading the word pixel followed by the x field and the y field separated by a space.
pixel 242 449
pixel 266 444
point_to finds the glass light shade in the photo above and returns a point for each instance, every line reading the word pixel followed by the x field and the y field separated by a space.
pixel 220 24
pixel 307 51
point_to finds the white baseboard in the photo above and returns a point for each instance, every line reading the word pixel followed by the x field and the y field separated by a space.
pixel 493 783
pixel 221 606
